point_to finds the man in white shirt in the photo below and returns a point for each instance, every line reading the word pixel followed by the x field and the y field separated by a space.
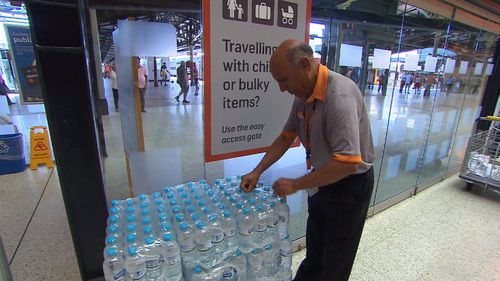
pixel 143 83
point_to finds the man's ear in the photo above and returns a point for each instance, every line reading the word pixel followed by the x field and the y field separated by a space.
pixel 305 64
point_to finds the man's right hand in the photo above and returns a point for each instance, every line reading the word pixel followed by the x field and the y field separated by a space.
pixel 249 181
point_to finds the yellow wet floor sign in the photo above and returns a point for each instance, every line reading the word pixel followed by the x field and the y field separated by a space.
pixel 40 148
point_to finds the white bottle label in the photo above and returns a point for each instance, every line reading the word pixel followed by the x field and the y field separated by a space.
pixel 119 275
pixel 282 219
pixel 204 244
pixel 274 222
pixel 153 263
pixel 260 227
pixel 140 271
pixel 173 259
pixel 217 236
pixel 187 245
pixel 231 232
pixel 246 229
pixel 228 273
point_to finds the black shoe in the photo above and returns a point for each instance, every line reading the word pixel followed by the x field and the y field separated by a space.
pixel 177 98
pixel 185 101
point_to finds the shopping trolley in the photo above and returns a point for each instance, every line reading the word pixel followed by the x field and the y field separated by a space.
pixel 481 164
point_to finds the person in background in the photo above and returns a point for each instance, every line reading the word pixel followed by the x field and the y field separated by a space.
pixel 381 83
pixel 195 78
pixel 370 79
pixel 330 118
pixel 182 80
pixel 449 84
pixel 164 74
pixel 4 90
pixel 429 82
pixel 402 83
pixel 114 86
pixel 409 81
pixel 417 84
pixel 142 75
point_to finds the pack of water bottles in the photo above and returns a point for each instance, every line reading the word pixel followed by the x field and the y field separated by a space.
pixel 198 232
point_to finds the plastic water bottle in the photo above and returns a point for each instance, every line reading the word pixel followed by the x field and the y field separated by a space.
pixel 230 230
pixel 113 265
pixel 286 253
pixel 239 260
pixel 172 268
pixel 255 265
pixel 186 238
pixel 219 245
pixel 152 258
pixel 260 224
pixel 246 229
pixel 284 214
pixel 204 244
pixel 271 260
pixel 135 266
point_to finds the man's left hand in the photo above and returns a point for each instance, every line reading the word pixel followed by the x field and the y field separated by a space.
pixel 284 187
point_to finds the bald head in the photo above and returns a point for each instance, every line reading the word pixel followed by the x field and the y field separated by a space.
pixel 292 51
pixel 294 68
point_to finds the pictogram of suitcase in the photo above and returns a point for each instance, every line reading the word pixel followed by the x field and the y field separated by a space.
pixel 262 11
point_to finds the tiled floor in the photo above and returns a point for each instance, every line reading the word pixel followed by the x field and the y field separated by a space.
pixel 445 233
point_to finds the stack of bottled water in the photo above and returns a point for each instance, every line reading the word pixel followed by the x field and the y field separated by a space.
pixel 198 232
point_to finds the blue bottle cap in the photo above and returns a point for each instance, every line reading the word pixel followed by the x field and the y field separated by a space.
pixel 197 196
pixel 210 193
pixel 207 187
pixel 146 220
pixel 184 226
pixel 238 253
pixel 234 184
pixel 111 252
pixel 191 209
pixel 229 179
pixel 167 189
pixel 246 211
pixel 272 204
pixel 148 229
pixel 187 202
pixel 227 193
pixel 200 224
pixel 130 201
pixel 176 209
pixel 113 228
pixel 113 211
pixel 221 206
pixel 267 189
pixel 226 213
pixel 161 209
pixel 131 227
pixel 263 197
pixel 190 184
pixel 173 202
pixel 130 209
pixel 144 212
pixel 212 217
pixel 110 240
pixel 282 200
pixel 202 203
pixel 165 226
pixel 222 186
pixel 260 183
pixel 149 240
pixel 168 237
pixel 143 204
pixel 252 201
pixel 256 191
pixel 180 189
pixel 143 197
pixel 217 181
pixel 130 218
pixel 260 208
pixel 197 269
pixel 238 177
pixel 132 251
pixel 156 195
pixel 162 217
pixel 113 219
pixel 215 199
pixel 207 210
pixel 239 204
pixel 268 247
pixel 131 237
pixel 115 203
pixel 184 195
pixel 158 201
pixel 179 217
pixel 195 217
pixel 233 198
pixel 202 181
pixel 170 195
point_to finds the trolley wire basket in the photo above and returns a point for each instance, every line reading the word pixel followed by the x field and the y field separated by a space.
pixel 481 163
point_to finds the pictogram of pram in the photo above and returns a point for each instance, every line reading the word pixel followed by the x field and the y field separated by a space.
pixel 287 16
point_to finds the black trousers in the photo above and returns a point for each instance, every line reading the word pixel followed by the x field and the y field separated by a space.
pixel 115 97
pixel 337 214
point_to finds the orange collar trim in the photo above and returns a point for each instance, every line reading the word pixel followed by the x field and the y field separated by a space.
pixel 319 91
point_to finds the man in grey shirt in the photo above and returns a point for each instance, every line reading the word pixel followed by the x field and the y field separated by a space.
pixel 329 117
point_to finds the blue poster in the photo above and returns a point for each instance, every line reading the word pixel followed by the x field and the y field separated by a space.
pixel 25 63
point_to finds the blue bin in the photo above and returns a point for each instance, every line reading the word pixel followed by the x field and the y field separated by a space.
pixel 12 154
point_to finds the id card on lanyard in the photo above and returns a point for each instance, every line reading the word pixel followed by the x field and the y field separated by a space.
pixel 308 125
